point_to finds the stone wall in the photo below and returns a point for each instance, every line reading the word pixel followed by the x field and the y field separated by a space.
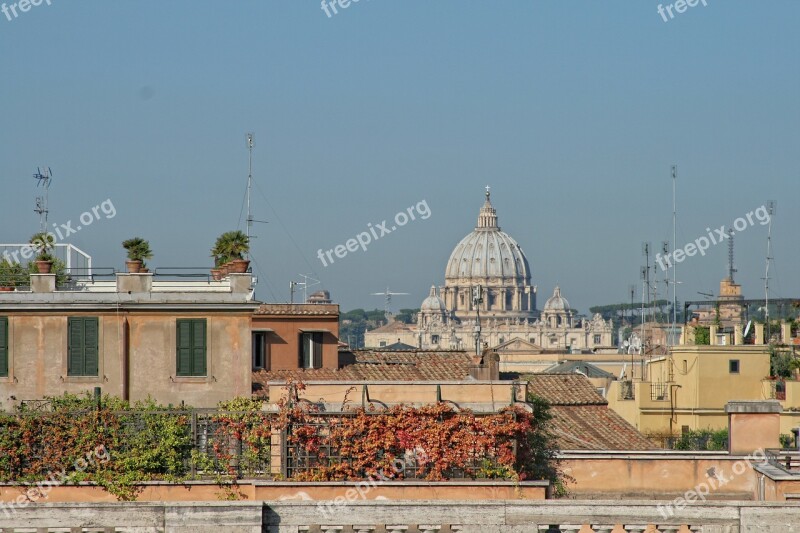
pixel 406 517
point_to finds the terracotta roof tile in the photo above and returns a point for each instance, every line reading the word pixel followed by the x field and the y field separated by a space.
pixel 392 327
pixel 581 417
pixel 594 427
pixel 564 389
pixel 298 309
pixel 373 365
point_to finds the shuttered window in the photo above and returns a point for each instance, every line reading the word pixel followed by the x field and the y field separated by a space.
pixel 82 356
pixel 310 350
pixel 191 336
pixel 3 347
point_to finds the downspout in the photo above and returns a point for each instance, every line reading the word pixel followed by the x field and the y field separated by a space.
pixel 126 358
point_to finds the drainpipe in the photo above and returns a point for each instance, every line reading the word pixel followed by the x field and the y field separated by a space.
pixel 126 358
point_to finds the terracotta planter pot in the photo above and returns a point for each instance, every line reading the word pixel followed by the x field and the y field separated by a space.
pixel 216 274
pixel 6 289
pixel 44 267
pixel 134 267
pixel 239 266
pixel 223 270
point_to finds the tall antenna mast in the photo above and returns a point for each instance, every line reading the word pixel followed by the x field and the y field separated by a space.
pixel 674 247
pixel 250 145
pixel 731 269
pixel 43 177
pixel 771 209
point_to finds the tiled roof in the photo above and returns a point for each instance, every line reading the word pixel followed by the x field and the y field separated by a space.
pixel 581 417
pixel 594 427
pixel 391 327
pixel 298 309
pixel 399 346
pixel 564 389
pixel 583 367
pixel 375 365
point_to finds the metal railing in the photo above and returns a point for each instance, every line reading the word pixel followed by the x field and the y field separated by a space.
pixel 787 460
pixel 659 392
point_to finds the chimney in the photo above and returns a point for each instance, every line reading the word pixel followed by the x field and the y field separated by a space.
pixel 753 425
pixel 42 283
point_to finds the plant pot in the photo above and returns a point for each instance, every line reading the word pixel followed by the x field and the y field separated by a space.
pixel 144 270
pixel 134 267
pixel 224 270
pixel 216 274
pixel 44 267
pixel 239 266
pixel 6 289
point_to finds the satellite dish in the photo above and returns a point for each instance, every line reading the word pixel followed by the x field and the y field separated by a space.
pixel 747 328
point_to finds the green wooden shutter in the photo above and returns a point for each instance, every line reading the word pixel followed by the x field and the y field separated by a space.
pixel 199 348
pixel 75 366
pixel 191 349
pixel 304 355
pixel 3 347
pixel 90 346
pixel 184 335
pixel 316 341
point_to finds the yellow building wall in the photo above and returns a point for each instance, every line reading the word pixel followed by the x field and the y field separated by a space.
pixel 691 387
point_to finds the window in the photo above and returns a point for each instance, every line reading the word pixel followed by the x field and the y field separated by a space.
pixel 597 339
pixel 260 351
pixel 82 343
pixel 435 339
pixel 311 350
pixel 382 344
pixel 191 336
pixel 3 347
pixel 733 366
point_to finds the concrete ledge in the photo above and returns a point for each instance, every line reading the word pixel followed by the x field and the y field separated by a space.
pixel 753 406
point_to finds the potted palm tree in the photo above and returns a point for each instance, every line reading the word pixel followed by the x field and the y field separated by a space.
pixel 220 269
pixel 138 250
pixel 43 243
pixel 232 246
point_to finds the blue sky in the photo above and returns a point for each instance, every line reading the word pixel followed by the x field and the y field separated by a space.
pixel 573 111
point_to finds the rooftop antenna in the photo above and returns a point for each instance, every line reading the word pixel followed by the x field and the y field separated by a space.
pixel 771 210
pixel 305 284
pixel 731 269
pixel 250 219
pixel 250 145
pixel 632 291
pixel 674 246
pixel 43 177
pixel 388 295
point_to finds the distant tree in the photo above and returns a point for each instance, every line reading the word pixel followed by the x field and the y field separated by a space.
pixel 406 316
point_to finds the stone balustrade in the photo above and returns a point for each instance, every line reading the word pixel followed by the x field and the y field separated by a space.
pixel 517 516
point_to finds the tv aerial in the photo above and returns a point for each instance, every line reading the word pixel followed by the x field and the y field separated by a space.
pixel 388 295
pixel 43 178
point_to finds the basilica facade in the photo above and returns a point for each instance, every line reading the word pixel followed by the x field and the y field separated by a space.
pixel 488 299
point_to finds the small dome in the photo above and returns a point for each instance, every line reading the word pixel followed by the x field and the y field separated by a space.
pixel 556 302
pixel 432 304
